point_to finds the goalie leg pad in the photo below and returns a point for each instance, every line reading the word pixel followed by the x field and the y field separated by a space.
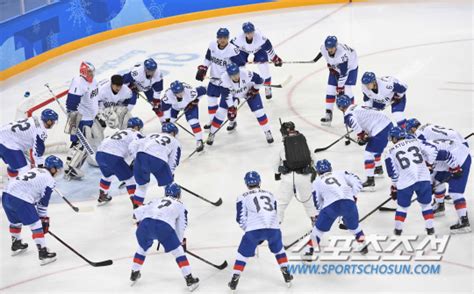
pixel 75 159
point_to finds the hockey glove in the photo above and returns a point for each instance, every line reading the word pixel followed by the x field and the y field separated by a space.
pixel 340 90
pixel 201 73
pixel 277 61
pixel 45 224
pixel 232 113
pixel 362 138
pixel 277 177
pixel 393 192
pixel 156 105
pixel 456 172
pixel 396 99
pixel 133 87
pixel 191 105
pixel 332 70
pixel 252 93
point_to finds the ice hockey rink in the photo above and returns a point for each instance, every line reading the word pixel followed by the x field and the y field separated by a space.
pixel 427 44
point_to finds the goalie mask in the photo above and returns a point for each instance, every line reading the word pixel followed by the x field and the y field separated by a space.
pixel 87 71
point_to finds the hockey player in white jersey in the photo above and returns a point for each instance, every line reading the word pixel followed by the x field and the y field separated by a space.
pixel 239 84
pixel 183 97
pixel 257 217
pixel 82 106
pixel 293 167
pixel 384 91
pixel 342 63
pixel 157 154
pixel 407 164
pixel 433 132
pixel 115 102
pixel 219 54
pixel 17 138
pixel 147 78
pixel 334 195
pixel 252 41
pixel 165 220
pixel 112 156
pixel 456 178
pixel 25 201
pixel 372 127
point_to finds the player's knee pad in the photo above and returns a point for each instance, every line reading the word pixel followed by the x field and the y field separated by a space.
pixel 264 70
pixel 142 251
pixel 36 225
pixel 179 251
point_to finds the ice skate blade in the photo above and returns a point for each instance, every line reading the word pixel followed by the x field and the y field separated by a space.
pixel 18 252
pixel 47 261
pixel 368 189
pixel 461 231
pixel 193 287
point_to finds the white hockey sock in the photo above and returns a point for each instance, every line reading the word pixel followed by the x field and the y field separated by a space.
pixel 138 259
pixel 182 260
pixel 427 211
pixel 281 258
pixel 400 216
pixel 262 119
pixel 15 231
pixel 239 265
pixel 439 192
pixel 460 204
pixel 369 163
pixel 212 106
pixel 105 184
pixel 38 234
pixel 140 194
pixel 131 186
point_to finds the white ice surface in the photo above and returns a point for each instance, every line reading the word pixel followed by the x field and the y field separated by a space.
pixel 427 44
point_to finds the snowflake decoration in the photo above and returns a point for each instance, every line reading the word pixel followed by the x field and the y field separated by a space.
pixel 77 10
pixel 156 9
pixel 52 40
pixel 89 29
pixel 36 27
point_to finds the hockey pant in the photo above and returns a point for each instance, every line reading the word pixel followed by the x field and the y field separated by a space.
pixel 332 84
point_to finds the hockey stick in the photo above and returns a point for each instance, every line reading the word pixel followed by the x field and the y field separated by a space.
pixel 468 136
pixel 314 60
pixel 217 203
pixel 285 82
pixel 219 267
pixel 343 226
pixel 175 122
pixel 75 208
pixel 95 264
pixel 79 133
pixel 297 240
pixel 333 143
